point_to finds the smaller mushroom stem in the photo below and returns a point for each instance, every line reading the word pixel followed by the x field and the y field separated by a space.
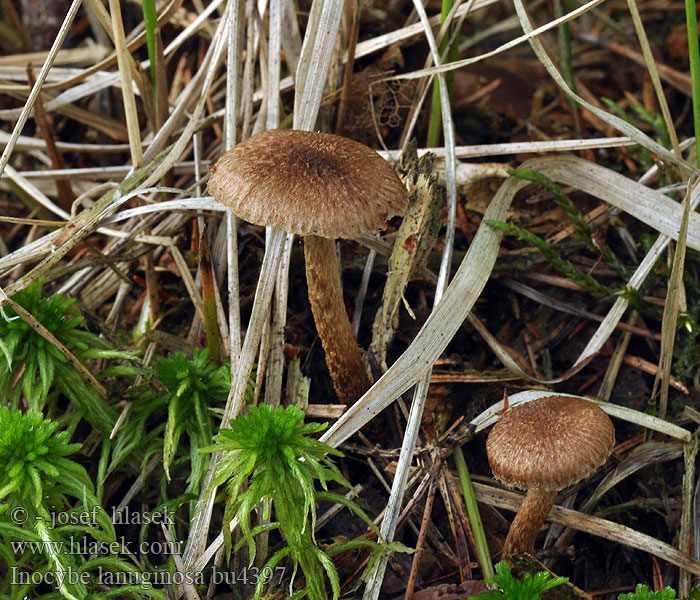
pixel 343 356
pixel 528 521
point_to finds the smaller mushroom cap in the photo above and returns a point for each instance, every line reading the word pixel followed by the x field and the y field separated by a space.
pixel 549 443
pixel 308 183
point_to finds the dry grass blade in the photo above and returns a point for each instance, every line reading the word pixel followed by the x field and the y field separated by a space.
pixel 30 252
pixel 645 455
pixel 136 42
pixel 188 587
pixel 660 213
pixel 13 19
pixel 121 262
pixel 475 151
pixel 571 309
pixel 672 310
pixel 507 46
pixel 239 383
pixel 450 159
pixel 403 468
pixel 124 62
pixel 207 204
pixel 276 360
pixel 349 68
pixel 35 193
pixel 438 330
pixel 62 101
pixel 316 55
pixel 410 437
pixel 232 110
pixel 291 38
pixel 413 30
pixel 30 143
pixel 490 415
pixel 315 58
pixel 611 373
pixel 531 36
pixel 274 66
pixel 651 207
pixel 275 356
pixel 38 222
pixel 618 309
pixel 690 452
pixel 654 75
pixel 50 58
pixel 70 56
pixel 616 122
pixel 62 241
pixel 112 127
pixel 186 167
pixel 594 526
pixel 209 67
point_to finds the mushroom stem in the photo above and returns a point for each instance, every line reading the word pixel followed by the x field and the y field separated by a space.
pixel 528 521
pixel 343 357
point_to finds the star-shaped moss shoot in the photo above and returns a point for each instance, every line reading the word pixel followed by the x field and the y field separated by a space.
pixel 32 464
pixel 275 448
pixel 31 367
pixel 191 388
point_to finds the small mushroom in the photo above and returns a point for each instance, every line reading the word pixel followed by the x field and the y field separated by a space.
pixel 323 187
pixel 542 447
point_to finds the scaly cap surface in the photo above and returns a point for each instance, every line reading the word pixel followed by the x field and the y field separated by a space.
pixel 308 183
pixel 550 443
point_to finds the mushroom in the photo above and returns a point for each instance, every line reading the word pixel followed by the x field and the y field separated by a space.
pixel 544 446
pixel 322 187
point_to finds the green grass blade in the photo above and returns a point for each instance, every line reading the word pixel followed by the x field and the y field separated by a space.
pixel 151 21
pixel 482 548
pixel 435 124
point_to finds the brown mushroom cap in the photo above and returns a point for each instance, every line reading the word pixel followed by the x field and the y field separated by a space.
pixel 308 183
pixel 549 443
